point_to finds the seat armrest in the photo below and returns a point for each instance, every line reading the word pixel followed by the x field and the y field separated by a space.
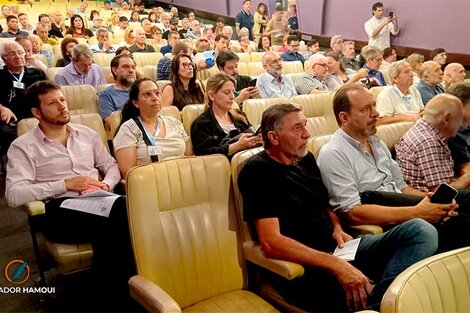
pixel 152 297
pixel 289 270
pixel 357 230
pixel 34 208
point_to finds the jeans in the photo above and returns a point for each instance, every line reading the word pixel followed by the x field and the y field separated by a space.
pixel 382 257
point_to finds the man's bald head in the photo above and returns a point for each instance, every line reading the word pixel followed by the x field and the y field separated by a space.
pixel 444 112
pixel 456 71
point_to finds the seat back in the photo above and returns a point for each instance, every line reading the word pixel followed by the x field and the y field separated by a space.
pixel 189 114
pixel 254 108
pixel 290 67
pixel 81 98
pixel 255 68
pixel 256 56
pixel 440 283
pixel 318 109
pixel 51 72
pixel 103 59
pixel 206 74
pixel 146 58
pixel 376 90
pixel 92 120
pixel 391 133
pixel 244 57
pixel 179 224
pixel 150 71
pixel 243 68
pixel 316 143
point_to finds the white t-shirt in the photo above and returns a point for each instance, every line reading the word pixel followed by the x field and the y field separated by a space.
pixel 391 102
pixel 382 40
pixel 172 146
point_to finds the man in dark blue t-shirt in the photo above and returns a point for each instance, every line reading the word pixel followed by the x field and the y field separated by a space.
pixel 245 19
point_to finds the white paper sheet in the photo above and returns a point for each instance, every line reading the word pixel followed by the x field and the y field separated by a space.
pixel 92 204
pixel 348 252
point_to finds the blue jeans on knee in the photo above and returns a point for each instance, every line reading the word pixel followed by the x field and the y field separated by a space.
pixel 382 257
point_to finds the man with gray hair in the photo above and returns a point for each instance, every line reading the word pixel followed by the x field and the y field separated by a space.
pixel 422 152
pixel 349 55
pixel 430 76
pixel 454 73
pixel 15 77
pixel 139 42
pixel 335 45
pixel 312 81
pixel 400 102
pixel 273 83
pixel 103 45
pixel 374 58
pixel 195 32
pixel 81 70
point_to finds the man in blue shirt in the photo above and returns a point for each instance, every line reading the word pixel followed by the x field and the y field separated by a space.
pixel 374 58
pixel 292 54
pixel 245 19
pixel 13 28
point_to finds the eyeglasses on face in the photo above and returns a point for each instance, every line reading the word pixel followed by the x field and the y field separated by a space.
pixel 147 94
pixel 187 65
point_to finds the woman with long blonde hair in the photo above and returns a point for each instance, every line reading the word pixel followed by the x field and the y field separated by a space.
pixel 221 128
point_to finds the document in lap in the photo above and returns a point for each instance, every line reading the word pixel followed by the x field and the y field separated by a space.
pixel 97 202
pixel 348 252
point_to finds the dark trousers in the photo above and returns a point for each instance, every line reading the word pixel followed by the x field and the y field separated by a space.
pixel 7 135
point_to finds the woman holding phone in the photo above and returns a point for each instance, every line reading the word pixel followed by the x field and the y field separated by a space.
pixel 221 128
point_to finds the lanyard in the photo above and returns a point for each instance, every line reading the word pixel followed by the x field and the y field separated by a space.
pixel 20 78
pixel 157 132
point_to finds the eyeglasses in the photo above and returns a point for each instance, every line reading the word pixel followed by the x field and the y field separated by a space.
pixel 294 46
pixel 187 65
pixel 148 94
pixel 321 64
pixel 378 59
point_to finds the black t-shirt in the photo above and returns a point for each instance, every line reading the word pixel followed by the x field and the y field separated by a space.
pixel 295 194
pixel 14 98
pixel 242 82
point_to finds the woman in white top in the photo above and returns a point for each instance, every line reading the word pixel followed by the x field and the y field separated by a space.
pixel 338 75
pixel 145 136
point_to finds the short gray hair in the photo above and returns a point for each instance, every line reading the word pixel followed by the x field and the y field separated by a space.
pixel 81 50
pixel 272 120
pixel 396 68
pixel 370 52
pixel 7 44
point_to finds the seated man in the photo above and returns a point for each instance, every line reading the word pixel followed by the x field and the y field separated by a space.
pixel 15 77
pixel 113 98
pixel 57 161
pixel 312 81
pixel 336 45
pixel 139 42
pixel 173 39
pixel 460 145
pixel 349 56
pixel 430 85
pixel 164 64
pixel 81 70
pixel 206 59
pixel 292 54
pixel 454 73
pixel 273 83
pixel 373 57
pixel 195 32
pixel 286 200
pixel 42 30
pixel 313 47
pixel 227 62
pixel 357 167
pixel 13 30
pixel 400 102
pixel 103 45
pixel 422 152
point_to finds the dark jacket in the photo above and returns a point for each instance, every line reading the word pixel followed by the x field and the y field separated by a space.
pixel 208 137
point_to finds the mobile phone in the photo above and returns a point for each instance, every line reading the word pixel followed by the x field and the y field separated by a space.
pixel 444 194
pixel 258 131
pixel 390 14
pixel 252 83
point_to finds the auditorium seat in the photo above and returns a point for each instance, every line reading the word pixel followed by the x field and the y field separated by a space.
pixel 255 69
pixel 244 57
pixel 185 238
pixel 294 76
pixel 376 90
pixel 254 108
pixel 150 71
pixel 206 74
pixel 256 56
pixel 189 113
pixel 289 67
pixel 103 59
pixel 243 68
pixel 51 72
pixel 67 258
pixel 146 58
pixel 81 98
pixel 440 283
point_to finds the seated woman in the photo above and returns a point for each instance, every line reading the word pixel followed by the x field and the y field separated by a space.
pixel 183 89
pixel 244 41
pixel 221 128
pixel 264 44
pixel 338 75
pixel 145 136
pixel 77 28
pixel 66 47
pixel 157 35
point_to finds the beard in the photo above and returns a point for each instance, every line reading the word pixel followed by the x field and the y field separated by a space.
pixel 62 119
pixel 128 80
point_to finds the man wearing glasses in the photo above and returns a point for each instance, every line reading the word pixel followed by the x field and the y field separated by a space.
pixel 272 83
pixel 312 80
pixel 374 58
pixel 173 39
pixel 195 31
pixel 292 53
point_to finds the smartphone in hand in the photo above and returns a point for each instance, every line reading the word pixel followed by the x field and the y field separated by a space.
pixel 252 83
pixel 444 194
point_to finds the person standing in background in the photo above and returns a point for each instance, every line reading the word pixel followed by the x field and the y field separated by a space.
pixel 378 28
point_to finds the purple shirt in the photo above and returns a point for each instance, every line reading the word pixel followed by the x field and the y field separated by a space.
pixel 38 166
pixel 69 76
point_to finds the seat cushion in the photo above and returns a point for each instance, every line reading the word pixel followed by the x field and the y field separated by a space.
pixel 235 301
pixel 70 258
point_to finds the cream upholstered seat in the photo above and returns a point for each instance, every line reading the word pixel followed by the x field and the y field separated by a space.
pixel 294 76
pixel 150 71
pixel 103 59
pixel 391 133
pixel 147 58
pixel 184 239
pixel 206 74
pixel 254 108
pixel 51 72
pixel 189 114
pixel 440 283
pixel 81 98
pixel 376 90
pixel 68 258
pixel 243 68
pixel 256 56
pixel 255 68
pixel 244 57
pixel 289 67
pixel 318 109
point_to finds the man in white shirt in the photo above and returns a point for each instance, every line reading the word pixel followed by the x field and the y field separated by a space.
pixel 378 29
pixel 273 83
